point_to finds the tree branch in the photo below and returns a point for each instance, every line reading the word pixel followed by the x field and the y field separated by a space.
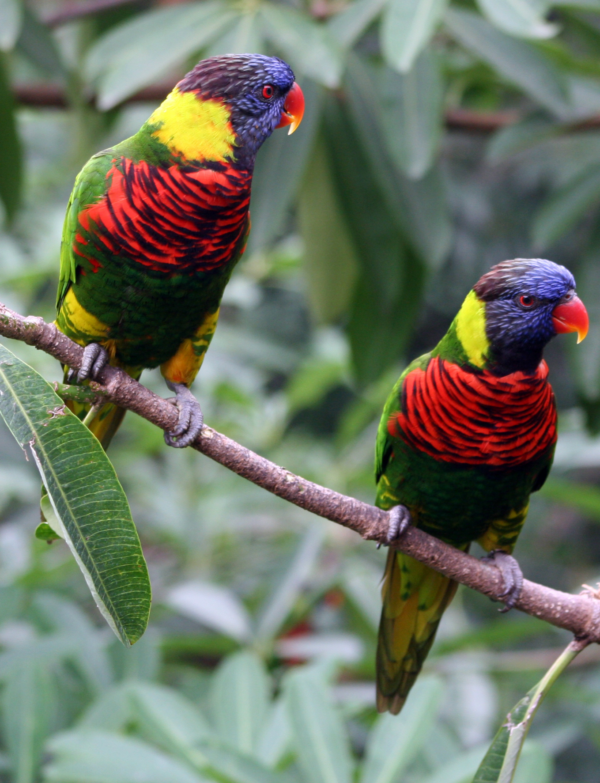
pixel 579 614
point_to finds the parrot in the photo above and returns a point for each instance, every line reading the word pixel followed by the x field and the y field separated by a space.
pixel 156 224
pixel 466 435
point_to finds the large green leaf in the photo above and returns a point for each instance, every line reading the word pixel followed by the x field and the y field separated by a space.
pixel 419 208
pixel 500 762
pixel 330 257
pixel 309 47
pixel 319 735
pixel 412 113
pixel 11 165
pixel 460 769
pixel 395 740
pixel 27 707
pixel 139 51
pixel 37 43
pixel 280 165
pixel 520 62
pixel 101 757
pixel 407 26
pixel 239 699
pixel 230 764
pixel 524 18
pixel 245 35
pixel 566 207
pixel 10 23
pixel 349 24
pixel 85 494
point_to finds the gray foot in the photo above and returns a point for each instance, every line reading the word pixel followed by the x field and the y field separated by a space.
pixel 95 359
pixel 190 417
pixel 399 520
pixel 512 575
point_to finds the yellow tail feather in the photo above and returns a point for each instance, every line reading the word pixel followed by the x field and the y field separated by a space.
pixel 414 599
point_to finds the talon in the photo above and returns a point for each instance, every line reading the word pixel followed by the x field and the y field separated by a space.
pixel 512 575
pixel 95 359
pixel 190 417
pixel 399 521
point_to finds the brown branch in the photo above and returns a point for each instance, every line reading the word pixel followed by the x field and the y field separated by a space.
pixel 53 96
pixel 72 11
pixel 579 614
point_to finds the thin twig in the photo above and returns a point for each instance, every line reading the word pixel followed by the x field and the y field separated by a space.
pixel 579 614
pixel 72 11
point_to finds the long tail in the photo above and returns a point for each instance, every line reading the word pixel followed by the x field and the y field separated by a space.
pixel 414 599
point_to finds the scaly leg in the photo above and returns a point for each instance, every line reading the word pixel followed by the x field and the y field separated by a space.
pixel 95 358
pixel 190 417
pixel 399 520
pixel 512 575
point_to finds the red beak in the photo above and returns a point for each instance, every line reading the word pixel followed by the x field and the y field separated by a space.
pixel 293 109
pixel 571 317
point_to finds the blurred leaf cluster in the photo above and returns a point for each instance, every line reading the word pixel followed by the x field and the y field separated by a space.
pixel 440 138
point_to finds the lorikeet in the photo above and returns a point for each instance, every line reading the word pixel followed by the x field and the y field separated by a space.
pixel 156 224
pixel 466 435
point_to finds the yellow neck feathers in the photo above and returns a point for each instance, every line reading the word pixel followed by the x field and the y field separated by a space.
pixel 470 329
pixel 192 128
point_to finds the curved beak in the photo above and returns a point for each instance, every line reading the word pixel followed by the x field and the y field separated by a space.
pixel 293 109
pixel 571 317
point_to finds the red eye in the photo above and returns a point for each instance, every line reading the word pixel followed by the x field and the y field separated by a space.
pixel 526 301
pixel 268 92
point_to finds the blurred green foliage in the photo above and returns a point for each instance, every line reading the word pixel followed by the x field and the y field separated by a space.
pixel 369 226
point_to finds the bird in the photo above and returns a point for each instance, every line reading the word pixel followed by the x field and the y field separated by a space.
pixel 156 224
pixel 466 435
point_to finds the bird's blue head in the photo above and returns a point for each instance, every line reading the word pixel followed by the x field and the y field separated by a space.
pixel 259 93
pixel 527 301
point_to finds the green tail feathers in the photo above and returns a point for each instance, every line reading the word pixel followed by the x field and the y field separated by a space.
pixel 414 600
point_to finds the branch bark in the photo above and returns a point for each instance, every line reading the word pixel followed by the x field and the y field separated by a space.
pixel 579 614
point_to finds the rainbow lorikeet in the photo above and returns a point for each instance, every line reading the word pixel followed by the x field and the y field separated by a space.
pixel 467 434
pixel 156 224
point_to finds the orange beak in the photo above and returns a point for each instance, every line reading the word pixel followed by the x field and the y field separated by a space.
pixel 293 109
pixel 571 317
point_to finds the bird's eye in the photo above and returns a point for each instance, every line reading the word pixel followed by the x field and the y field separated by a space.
pixel 526 301
pixel 268 92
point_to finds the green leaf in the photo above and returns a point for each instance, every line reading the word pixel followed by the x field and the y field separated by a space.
pixel 419 208
pixel 91 659
pixel 407 26
pixel 318 733
pixel 500 762
pixel 275 735
pixel 330 256
pixel 143 49
pixel 11 15
pixel 239 698
pixel 412 114
pixel 309 47
pixel 37 43
pixel 524 18
pixel 27 710
pixel 520 62
pixel 230 764
pixel 168 719
pixel 535 764
pixel 44 532
pixel 11 164
pixel 348 25
pixel 101 757
pixel 280 166
pixel 565 208
pixel 395 740
pixel 85 494
pixel 519 137
pixel 244 36
pixel 459 769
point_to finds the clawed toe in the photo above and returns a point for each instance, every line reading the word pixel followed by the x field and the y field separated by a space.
pixel 190 421
pixel 512 575
pixel 95 358
pixel 399 520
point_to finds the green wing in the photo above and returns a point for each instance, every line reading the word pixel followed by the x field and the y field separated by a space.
pixel 90 186
pixel 384 443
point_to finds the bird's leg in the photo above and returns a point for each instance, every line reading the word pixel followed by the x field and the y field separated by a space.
pixel 512 575
pixel 190 417
pixel 398 522
pixel 95 358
